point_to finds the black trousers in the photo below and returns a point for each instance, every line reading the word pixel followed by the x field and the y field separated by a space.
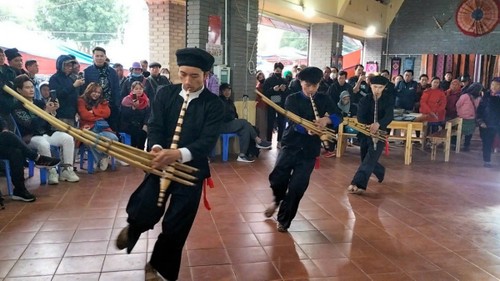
pixel 272 116
pixel 289 181
pixel 16 151
pixel 488 137
pixel 369 162
pixel 137 135
pixel 177 221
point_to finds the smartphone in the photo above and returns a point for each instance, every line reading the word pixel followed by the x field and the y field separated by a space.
pixel 134 97
pixel 53 96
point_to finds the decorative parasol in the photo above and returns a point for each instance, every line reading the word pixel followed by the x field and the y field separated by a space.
pixel 477 17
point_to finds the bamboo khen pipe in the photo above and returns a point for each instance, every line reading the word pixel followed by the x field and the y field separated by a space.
pixel 365 130
pixel 325 134
pixel 133 156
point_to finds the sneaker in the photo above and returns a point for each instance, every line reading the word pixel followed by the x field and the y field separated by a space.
pixel 264 144
pixel 46 162
pixel 69 175
pixel 281 228
pixel 329 154
pixel 355 190
pixel 487 164
pixel 103 164
pixel 23 195
pixel 244 158
pixel 53 176
pixel 151 274
pixel 270 210
pixel 122 163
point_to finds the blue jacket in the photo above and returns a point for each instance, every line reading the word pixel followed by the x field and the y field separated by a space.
pixel 488 111
pixel 406 95
pixel 65 92
pixel 91 74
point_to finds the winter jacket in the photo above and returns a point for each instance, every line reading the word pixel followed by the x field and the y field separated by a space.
pixel 91 74
pixel 465 108
pixel 406 95
pixel 229 109
pixel 433 101
pixel 67 95
pixel 488 111
pixel 451 103
pixel 87 118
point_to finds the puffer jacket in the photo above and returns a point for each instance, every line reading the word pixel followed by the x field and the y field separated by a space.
pixel 65 92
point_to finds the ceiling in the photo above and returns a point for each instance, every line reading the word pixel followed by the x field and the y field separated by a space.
pixel 355 15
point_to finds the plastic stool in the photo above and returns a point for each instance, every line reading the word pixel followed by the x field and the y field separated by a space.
pixel 90 159
pixel 225 145
pixel 125 138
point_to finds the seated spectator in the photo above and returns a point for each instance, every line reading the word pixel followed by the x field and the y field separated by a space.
pixel 15 60
pixel 93 109
pixel 136 74
pixel 241 127
pixel 452 95
pixel 12 148
pixel 154 81
pixel 135 114
pixel 40 135
pixel 49 100
pixel 433 104
pixel 466 109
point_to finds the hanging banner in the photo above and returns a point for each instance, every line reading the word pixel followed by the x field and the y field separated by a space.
pixel 395 66
pixel 213 45
pixel 409 64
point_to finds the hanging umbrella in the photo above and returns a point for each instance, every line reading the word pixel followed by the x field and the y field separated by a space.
pixel 477 17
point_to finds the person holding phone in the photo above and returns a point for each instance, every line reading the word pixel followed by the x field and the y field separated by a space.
pixel 49 97
pixel 135 114
pixel 276 89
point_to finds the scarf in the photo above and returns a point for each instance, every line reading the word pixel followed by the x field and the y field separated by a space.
pixel 143 101
pixel 344 107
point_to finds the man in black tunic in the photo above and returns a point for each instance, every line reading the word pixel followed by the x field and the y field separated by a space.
pixel 290 176
pixel 365 115
pixel 200 130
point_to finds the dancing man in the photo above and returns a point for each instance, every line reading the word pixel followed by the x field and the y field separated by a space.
pixel 290 177
pixel 375 110
pixel 201 127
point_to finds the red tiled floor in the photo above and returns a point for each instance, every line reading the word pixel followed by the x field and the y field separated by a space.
pixel 428 221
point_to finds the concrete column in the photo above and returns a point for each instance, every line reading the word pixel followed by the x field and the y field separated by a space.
pixel 167 32
pixel 372 51
pixel 325 43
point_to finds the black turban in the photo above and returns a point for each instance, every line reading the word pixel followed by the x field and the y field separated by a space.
pixel 310 74
pixel 195 57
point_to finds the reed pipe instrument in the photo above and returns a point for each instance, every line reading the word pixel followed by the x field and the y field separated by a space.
pixel 316 116
pixel 131 155
pixel 325 134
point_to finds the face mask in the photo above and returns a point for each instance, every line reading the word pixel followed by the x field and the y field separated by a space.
pixel 136 74
pixel 277 75
pixel 333 75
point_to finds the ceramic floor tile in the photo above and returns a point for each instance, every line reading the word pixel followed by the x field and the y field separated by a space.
pixel 45 250
pixel 34 267
pixel 256 271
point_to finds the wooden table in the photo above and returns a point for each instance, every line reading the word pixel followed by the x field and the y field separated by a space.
pixel 408 126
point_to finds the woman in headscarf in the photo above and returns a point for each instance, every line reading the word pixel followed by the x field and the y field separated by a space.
pixel 466 109
pixel 348 110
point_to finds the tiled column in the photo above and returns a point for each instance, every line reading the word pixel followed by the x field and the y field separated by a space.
pixel 325 42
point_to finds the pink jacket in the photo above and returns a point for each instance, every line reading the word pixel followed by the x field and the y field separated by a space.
pixel 465 108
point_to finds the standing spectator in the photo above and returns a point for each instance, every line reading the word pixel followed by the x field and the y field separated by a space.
pixel 406 92
pixel 288 76
pixel 339 85
pixel 165 72
pixel 15 60
pixel 488 118
pixel 433 104
pixel 106 76
pixel 326 81
pixel 385 73
pixel 118 67
pixel 260 106
pixel 445 84
pixel 275 88
pixel 232 124
pixel 294 85
pixel 334 74
pixel 212 83
pixel 452 95
pixel 154 81
pixel 136 74
pixel 358 83
pixel 465 82
pixel 397 79
pixel 32 70
pixel 75 73
pixel 66 90
pixel 134 115
pixel 93 110
pixel 40 135
pixel 466 109
pixel 7 75
pixel 144 66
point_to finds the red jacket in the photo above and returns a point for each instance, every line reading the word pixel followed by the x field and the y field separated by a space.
pixel 88 118
pixel 433 101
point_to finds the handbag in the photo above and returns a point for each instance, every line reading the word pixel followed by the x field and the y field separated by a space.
pixel 100 125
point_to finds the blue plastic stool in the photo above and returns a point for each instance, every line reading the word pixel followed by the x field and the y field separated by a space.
pixel 7 175
pixel 90 159
pixel 125 138
pixel 225 145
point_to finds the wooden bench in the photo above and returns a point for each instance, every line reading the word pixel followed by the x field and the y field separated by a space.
pixel 452 128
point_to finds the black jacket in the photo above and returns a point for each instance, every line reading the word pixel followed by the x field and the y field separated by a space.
pixel 230 112
pixel 385 110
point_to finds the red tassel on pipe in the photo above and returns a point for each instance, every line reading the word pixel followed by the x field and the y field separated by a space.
pixel 210 183
pixel 386 147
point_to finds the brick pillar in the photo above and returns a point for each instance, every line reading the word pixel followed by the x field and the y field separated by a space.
pixel 325 42
pixel 372 50
pixel 167 32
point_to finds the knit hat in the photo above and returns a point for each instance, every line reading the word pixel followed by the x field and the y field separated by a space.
pixel 12 54
pixel 286 73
